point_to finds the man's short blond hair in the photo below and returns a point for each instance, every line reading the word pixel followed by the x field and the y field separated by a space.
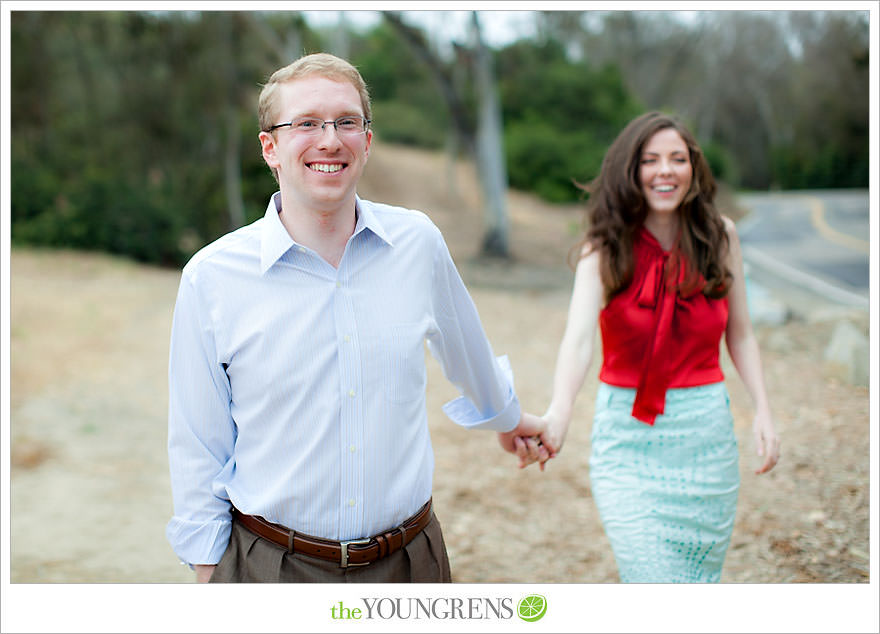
pixel 322 64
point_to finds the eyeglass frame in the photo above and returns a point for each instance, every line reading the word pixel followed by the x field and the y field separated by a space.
pixel 335 123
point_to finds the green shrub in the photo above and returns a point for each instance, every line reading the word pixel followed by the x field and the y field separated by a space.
pixel 405 123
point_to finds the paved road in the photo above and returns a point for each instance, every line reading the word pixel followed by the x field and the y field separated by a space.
pixel 815 240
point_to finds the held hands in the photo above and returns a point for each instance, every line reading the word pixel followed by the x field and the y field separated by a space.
pixel 532 441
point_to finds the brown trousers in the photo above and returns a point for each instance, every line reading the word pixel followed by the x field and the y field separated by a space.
pixel 249 558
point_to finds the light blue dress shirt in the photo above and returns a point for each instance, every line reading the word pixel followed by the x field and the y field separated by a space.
pixel 297 390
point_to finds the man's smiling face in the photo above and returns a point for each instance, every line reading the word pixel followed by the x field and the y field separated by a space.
pixel 318 171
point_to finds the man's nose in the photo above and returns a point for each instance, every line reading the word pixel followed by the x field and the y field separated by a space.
pixel 329 135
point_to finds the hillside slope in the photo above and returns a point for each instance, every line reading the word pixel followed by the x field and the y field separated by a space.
pixel 89 341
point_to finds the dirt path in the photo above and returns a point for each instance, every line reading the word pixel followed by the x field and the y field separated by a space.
pixel 89 338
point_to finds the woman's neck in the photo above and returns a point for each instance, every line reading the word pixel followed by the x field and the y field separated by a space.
pixel 664 228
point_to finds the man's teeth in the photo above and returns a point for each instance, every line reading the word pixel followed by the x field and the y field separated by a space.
pixel 664 188
pixel 325 167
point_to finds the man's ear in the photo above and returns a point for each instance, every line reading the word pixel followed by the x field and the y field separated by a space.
pixel 270 155
pixel 369 140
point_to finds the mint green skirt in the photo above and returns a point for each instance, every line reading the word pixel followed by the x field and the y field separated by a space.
pixel 666 493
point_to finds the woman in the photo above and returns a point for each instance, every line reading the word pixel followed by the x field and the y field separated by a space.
pixel 660 271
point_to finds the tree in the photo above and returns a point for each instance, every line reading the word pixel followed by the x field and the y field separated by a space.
pixel 490 149
pixel 483 141
pixel 782 94
pixel 825 138
pixel 560 116
pixel 130 129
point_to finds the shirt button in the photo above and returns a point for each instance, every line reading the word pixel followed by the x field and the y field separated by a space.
pixel 352 449
pixel 351 393
pixel 338 284
pixel 302 249
pixel 351 502
pixel 347 338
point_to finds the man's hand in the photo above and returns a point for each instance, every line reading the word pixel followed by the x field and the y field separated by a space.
pixel 204 572
pixel 529 441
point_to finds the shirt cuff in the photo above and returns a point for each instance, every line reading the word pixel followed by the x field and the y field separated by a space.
pixel 197 542
pixel 462 410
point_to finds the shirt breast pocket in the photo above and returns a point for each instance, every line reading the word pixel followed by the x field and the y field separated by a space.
pixel 403 359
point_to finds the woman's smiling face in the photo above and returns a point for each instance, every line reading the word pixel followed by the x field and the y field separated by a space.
pixel 665 171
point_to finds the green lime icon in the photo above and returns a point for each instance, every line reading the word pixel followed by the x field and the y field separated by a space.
pixel 532 608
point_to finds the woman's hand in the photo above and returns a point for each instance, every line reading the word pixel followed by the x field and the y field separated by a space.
pixel 535 439
pixel 554 436
pixel 528 440
pixel 766 441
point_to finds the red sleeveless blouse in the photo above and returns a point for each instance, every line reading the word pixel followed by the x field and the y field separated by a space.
pixel 653 338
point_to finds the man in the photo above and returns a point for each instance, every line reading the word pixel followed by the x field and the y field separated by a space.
pixel 298 438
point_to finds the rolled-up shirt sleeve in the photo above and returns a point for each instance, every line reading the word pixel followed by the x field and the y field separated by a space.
pixel 459 343
pixel 201 432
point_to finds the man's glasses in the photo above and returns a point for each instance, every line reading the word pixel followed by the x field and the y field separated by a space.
pixel 348 125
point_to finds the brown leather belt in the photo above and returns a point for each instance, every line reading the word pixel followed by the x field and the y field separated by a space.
pixel 354 552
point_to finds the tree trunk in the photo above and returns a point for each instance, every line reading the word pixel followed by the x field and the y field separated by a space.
pixel 445 84
pixel 232 145
pixel 340 43
pixel 487 147
pixel 232 169
pixel 490 151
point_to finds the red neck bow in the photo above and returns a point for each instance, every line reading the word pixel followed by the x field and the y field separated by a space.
pixel 660 290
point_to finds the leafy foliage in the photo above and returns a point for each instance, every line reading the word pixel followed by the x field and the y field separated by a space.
pixel 783 94
pixel 119 130
pixel 826 140
pixel 405 106
pixel 135 132
pixel 560 117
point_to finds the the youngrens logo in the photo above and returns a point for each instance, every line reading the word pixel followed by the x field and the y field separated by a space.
pixel 530 608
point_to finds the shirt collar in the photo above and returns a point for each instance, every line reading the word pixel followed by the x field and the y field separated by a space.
pixel 276 241
pixel 367 220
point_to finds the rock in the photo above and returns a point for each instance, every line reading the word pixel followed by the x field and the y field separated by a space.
pixel 780 341
pixel 835 313
pixel 847 354
pixel 763 307
pixel 817 516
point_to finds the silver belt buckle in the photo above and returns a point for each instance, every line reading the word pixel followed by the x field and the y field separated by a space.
pixel 343 563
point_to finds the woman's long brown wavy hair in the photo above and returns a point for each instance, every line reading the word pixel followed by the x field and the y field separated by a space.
pixel 616 210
